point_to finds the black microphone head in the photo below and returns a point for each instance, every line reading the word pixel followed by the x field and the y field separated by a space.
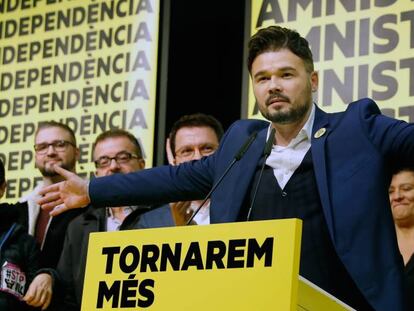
pixel 269 144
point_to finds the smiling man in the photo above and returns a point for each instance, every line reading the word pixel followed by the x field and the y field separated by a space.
pixel 401 193
pixel 55 144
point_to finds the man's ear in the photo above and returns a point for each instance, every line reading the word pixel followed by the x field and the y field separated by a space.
pixel 77 154
pixel 170 156
pixel 141 164
pixel 3 189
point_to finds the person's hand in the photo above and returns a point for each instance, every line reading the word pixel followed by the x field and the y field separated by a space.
pixel 181 212
pixel 170 155
pixel 65 195
pixel 40 291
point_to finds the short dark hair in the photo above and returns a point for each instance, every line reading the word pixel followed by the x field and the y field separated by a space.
pixel 48 124
pixel 119 133
pixel 274 38
pixel 195 120
pixel 2 173
pixel 403 169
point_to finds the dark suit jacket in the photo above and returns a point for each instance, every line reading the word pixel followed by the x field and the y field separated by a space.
pixel 352 163
pixel 53 243
pixel 71 267
pixel 159 217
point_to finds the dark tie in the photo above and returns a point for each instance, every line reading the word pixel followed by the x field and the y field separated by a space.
pixel 41 225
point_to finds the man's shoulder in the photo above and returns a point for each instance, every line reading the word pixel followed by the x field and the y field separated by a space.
pixel 162 211
pixel 13 205
pixel 158 217
pixel 85 218
pixel 249 125
pixel 360 110
pixel 364 106
pixel 16 212
pixel 33 195
pixel 244 128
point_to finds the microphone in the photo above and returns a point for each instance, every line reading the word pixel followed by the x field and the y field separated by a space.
pixel 236 158
pixel 266 152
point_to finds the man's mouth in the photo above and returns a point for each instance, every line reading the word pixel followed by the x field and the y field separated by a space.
pixel 52 162
pixel 398 205
pixel 276 99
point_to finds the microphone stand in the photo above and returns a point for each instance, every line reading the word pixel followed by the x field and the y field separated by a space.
pixel 236 158
pixel 266 152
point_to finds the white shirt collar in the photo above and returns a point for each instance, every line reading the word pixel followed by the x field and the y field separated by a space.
pixel 309 123
pixel 286 159
pixel 126 210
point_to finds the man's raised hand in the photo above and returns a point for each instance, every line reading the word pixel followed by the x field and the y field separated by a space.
pixel 68 194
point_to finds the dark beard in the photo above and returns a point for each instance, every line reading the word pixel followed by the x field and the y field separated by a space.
pixel 287 117
pixel 50 172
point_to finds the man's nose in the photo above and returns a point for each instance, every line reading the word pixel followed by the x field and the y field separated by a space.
pixel 396 195
pixel 275 85
pixel 197 154
pixel 114 166
pixel 51 150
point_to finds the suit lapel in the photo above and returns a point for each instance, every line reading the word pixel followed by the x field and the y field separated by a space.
pixel 320 132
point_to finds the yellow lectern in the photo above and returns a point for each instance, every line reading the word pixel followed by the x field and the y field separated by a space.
pixel 232 266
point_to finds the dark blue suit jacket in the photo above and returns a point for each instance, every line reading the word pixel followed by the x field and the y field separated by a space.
pixel 159 217
pixel 352 163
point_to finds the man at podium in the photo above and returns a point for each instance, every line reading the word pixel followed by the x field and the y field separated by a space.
pixel 330 170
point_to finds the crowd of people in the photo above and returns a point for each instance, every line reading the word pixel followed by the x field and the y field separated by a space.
pixel 332 171
pixel 55 248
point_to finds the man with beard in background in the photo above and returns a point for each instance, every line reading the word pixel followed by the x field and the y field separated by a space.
pixel 55 144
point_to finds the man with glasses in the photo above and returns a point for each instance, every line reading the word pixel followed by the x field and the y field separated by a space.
pixel 55 144
pixel 114 151
pixel 191 138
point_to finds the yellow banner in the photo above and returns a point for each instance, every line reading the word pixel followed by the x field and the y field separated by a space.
pixel 360 48
pixel 89 64
pixel 235 266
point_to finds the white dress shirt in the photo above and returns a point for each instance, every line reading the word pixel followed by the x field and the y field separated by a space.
pixel 113 223
pixel 286 159
pixel 203 215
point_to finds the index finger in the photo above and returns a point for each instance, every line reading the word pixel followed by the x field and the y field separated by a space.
pixel 63 172
pixel 32 296
pixel 47 302
pixel 181 206
pixel 29 296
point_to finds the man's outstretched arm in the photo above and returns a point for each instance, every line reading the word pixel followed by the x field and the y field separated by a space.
pixel 68 194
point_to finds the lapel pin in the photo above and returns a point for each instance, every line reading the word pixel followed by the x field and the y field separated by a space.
pixel 320 132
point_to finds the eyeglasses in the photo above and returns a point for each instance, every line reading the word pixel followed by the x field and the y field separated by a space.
pixel 120 158
pixel 58 145
pixel 189 151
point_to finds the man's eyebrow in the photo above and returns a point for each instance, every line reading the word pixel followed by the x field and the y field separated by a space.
pixel 259 73
pixel 407 184
pixel 186 146
pixel 263 72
